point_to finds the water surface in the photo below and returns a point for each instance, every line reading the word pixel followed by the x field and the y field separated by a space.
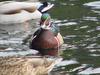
pixel 80 27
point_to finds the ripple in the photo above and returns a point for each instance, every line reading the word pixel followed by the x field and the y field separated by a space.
pixel 14 52
pixel 93 46
pixel 93 5
pixel 82 45
pixel 90 18
pixel 64 22
pixel 53 0
pixel 98 35
pixel 92 50
pixel 67 62
pixel 68 24
pixel 7 42
pixel 81 68
pixel 90 70
pixel 63 3
pixel 98 28
pixel 93 39
pixel 69 36
pixel 59 21
pixel 91 30
pixel 68 46
pixel 82 27
pixel 95 55
pixel 95 11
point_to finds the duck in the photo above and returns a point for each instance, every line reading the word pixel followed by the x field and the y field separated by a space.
pixel 47 39
pixel 27 65
pixel 19 12
pixel 45 7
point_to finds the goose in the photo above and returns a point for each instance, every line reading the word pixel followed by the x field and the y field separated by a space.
pixel 18 12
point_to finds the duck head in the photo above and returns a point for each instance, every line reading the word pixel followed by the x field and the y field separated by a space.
pixel 45 7
pixel 45 21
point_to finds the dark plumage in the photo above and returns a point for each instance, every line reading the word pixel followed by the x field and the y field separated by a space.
pixel 45 4
pixel 47 39
pixel 45 42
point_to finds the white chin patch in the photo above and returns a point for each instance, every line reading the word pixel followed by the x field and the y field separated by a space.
pixel 45 27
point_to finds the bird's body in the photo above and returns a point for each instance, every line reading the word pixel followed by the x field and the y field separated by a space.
pixel 18 12
pixel 24 65
pixel 45 40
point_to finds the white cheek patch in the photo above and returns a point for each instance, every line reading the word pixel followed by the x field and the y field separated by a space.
pixel 45 27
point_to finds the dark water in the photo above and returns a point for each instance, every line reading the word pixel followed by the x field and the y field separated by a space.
pixel 80 28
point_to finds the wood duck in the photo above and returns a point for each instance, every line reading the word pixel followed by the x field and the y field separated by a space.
pixel 18 12
pixel 46 39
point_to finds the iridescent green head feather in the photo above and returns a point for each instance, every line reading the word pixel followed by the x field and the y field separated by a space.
pixel 45 16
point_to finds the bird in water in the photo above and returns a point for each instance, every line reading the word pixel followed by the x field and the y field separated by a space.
pixel 18 12
pixel 27 65
pixel 47 39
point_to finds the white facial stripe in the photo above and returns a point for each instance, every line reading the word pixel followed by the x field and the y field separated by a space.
pixel 45 27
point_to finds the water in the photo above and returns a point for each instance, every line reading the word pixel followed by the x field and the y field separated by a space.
pixel 80 28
